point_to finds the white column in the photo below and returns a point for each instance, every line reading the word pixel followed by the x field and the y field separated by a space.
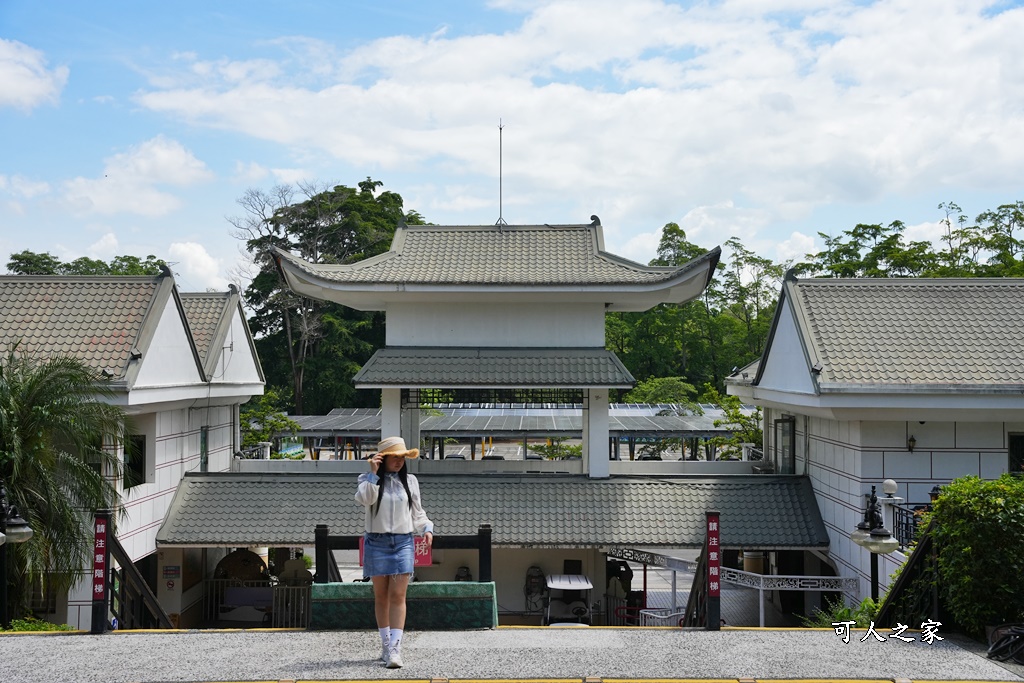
pixel 595 434
pixel 391 414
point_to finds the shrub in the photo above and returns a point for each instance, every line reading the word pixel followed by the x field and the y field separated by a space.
pixel 837 611
pixel 979 528
pixel 33 624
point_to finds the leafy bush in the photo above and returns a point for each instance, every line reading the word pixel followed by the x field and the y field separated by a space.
pixel 979 528
pixel 33 624
pixel 837 611
pixel 557 449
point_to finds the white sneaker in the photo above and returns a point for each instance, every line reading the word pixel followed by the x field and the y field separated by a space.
pixel 395 658
pixel 384 653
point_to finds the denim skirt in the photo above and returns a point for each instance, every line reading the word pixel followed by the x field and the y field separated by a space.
pixel 387 554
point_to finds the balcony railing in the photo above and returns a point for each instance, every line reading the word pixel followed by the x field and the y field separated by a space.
pixel 906 520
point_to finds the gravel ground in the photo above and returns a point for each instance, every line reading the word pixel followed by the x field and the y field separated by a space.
pixel 505 653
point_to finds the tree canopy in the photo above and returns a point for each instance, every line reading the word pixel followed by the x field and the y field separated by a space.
pixel 32 263
pixel 311 349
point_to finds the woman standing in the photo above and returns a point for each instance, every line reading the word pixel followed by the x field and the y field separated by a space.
pixel 394 516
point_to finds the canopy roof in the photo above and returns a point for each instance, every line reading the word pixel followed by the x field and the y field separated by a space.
pixel 498 263
pixel 763 512
pixel 525 368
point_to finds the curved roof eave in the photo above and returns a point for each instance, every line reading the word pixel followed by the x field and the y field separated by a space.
pixel 679 286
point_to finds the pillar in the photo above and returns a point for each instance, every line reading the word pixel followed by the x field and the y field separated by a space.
pixel 595 434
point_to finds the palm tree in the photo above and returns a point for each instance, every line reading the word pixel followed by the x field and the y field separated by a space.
pixel 53 424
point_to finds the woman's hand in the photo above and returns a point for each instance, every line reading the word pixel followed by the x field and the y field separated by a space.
pixel 430 539
pixel 375 462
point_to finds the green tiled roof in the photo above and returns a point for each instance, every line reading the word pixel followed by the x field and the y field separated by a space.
pixel 97 320
pixel 493 367
pixel 531 255
pixel 928 334
pixel 757 511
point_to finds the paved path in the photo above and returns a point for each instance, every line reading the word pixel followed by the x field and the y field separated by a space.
pixel 500 654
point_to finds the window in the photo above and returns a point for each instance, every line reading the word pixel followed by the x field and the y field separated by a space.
pixel 135 461
pixel 1016 448
pixel 785 452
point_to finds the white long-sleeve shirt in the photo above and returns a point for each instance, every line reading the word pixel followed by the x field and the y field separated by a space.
pixel 395 516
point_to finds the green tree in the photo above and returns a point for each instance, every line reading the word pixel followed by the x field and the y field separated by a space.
pixel 664 390
pixel 262 418
pixel 312 347
pixel 979 531
pixel 746 426
pixel 31 263
pixel 53 423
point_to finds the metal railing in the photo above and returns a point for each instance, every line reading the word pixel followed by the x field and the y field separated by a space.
pixel 906 520
pixel 257 601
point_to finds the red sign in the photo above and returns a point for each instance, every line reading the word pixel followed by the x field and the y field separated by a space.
pixel 99 564
pixel 421 552
pixel 714 557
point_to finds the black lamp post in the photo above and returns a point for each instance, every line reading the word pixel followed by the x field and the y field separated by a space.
pixel 13 529
pixel 872 534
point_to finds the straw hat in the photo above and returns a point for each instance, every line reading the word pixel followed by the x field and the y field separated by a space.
pixel 395 445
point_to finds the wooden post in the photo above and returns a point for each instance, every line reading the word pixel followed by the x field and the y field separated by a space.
pixel 714 554
pixel 322 553
pixel 484 538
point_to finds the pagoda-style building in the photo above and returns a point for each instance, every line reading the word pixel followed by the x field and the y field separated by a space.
pixel 490 309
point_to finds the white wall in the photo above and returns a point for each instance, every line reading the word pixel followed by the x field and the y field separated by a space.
pixel 847 458
pixel 496 325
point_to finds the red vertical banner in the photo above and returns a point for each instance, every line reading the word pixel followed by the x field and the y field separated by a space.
pixel 714 555
pixel 99 564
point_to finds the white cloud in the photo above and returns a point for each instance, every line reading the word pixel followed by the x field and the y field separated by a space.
pixel 25 80
pixel 130 179
pixel 646 110
pixel 105 248
pixel 290 176
pixel 198 270
pixel 796 248
pixel 20 186
pixel 250 172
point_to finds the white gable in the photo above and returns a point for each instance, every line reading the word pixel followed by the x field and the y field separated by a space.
pixel 785 368
pixel 236 363
pixel 169 360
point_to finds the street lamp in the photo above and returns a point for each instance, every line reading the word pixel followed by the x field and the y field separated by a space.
pixel 13 529
pixel 871 533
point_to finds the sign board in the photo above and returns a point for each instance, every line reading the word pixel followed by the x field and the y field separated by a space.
pixel 421 552
pixel 99 563
pixel 714 556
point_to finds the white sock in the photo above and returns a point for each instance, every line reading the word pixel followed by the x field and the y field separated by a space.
pixel 385 635
pixel 396 637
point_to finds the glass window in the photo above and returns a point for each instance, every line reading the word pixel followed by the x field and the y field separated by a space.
pixel 135 461
pixel 785 452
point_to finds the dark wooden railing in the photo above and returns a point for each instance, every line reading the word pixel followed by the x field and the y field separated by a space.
pixel 697 605
pixel 325 543
pixel 132 602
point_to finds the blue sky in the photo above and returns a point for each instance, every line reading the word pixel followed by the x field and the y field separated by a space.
pixel 133 128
